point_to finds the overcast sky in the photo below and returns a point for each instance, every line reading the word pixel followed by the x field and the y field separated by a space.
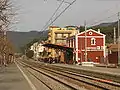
pixel 33 14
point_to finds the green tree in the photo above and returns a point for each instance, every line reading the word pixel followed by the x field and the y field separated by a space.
pixel 30 54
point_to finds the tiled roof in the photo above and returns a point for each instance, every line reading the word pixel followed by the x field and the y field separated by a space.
pixel 113 47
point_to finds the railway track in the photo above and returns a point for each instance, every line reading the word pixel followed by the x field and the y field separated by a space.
pixel 65 86
pixel 75 80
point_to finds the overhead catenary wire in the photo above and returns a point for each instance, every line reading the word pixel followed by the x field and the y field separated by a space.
pixel 53 14
pixel 59 15
pixel 95 22
pixel 64 1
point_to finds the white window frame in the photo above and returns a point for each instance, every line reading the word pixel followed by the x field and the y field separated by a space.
pixel 90 33
pixel 92 41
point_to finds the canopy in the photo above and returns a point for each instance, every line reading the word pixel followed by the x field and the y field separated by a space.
pixel 58 46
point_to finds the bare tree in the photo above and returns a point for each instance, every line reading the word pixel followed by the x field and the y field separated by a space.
pixel 6 16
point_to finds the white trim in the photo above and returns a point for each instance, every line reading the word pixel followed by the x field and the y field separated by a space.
pixel 104 45
pixel 93 50
pixel 91 36
pixel 25 76
pixel 76 47
pixel 93 40
pixel 91 30
pixel 90 33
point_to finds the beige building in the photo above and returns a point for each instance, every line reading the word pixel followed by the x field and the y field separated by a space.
pixel 37 48
pixel 57 35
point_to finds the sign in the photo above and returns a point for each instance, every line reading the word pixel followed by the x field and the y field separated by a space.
pixel 95 48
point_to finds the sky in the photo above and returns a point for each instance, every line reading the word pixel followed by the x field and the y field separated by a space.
pixel 34 14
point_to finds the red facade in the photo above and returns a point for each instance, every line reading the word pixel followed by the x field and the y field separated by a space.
pixel 95 46
pixel 113 54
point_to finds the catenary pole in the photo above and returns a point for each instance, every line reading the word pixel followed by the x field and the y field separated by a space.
pixel 118 38
pixel 85 42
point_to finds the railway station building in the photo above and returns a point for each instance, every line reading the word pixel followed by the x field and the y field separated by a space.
pixel 91 41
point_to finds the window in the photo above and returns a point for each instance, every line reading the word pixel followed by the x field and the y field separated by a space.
pixel 59 35
pixel 90 33
pixel 98 47
pixel 93 41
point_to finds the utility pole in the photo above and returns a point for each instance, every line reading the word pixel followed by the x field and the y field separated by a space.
pixel 4 39
pixel 114 35
pixel 85 42
pixel 118 37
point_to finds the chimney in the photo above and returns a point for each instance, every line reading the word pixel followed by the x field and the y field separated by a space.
pixel 99 30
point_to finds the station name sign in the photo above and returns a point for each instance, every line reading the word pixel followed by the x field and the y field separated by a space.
pixel 95 48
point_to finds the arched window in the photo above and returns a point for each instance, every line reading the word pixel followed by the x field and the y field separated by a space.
pixel 93 41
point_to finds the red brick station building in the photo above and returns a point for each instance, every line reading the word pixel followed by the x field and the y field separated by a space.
pixel 95 46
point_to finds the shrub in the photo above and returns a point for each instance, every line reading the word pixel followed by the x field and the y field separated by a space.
pixel 30 53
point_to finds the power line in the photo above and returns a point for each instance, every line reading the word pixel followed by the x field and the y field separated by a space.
pixel 53 14
pixel 64 1
pixel 60 14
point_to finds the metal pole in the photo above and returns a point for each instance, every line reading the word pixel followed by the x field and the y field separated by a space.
pixel 85 43
pixel 4 37
pixel 118 38
pixel 114 35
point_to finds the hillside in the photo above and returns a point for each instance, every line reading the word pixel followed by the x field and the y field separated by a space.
pixel 20 39
pixel 105 28
pixel 108 30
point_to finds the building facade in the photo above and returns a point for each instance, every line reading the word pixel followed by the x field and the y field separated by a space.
pixel 91 43
pixel 113 55
pixel 38 49
pixel 57 35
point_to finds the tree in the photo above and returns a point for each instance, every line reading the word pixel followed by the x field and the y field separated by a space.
pixel 28 45
pixel 6 16
pixel 30 54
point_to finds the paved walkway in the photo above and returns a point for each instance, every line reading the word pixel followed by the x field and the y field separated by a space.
pixel 12 79
pixel 113 71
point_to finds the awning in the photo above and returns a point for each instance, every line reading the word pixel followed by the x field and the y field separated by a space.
pixel 58 47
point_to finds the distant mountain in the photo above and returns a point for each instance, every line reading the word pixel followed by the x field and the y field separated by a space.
pixel 108 30
pixel 19 39
pixel 107 24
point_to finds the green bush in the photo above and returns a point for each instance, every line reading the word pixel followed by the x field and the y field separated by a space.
pixel 30 54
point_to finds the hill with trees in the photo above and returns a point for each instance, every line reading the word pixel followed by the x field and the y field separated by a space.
pixel 105 28
pixel 22 39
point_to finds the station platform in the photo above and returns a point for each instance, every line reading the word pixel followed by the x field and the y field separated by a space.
pixel 111 71
pixel 11 78
pixel 104 70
